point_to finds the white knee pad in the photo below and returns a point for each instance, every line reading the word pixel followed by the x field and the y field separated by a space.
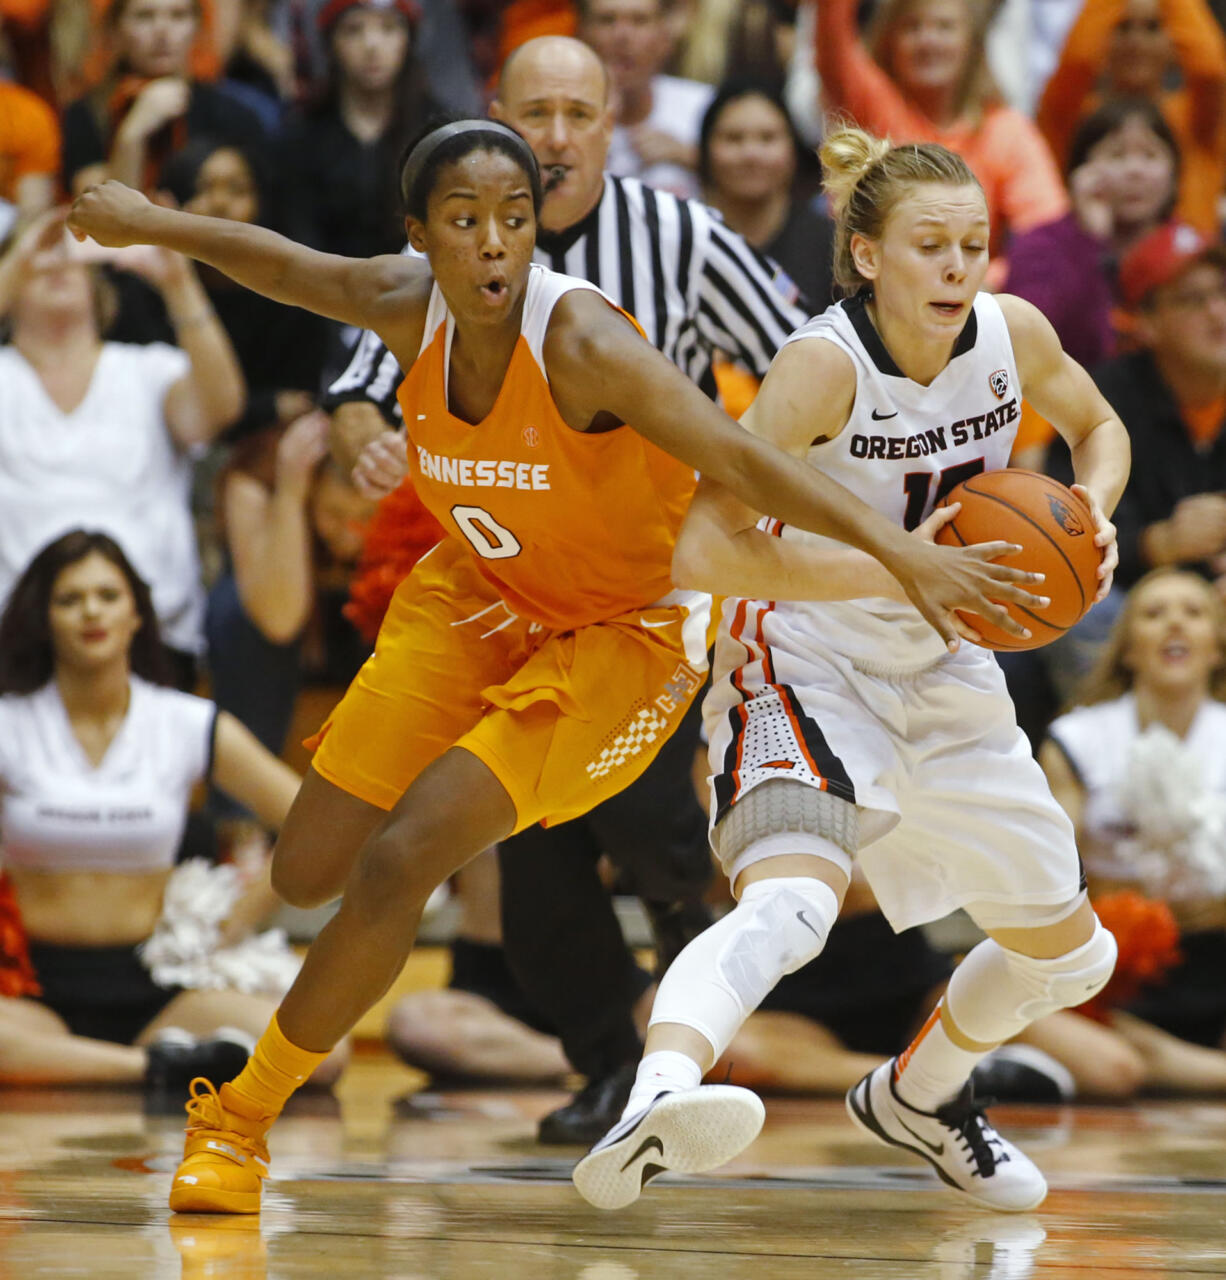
pixel 724 974
pixel 994 994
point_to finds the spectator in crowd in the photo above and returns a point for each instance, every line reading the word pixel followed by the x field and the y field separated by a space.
pixel 1123 179
pixel 1140 766
pixel 100 432
pixel 281 349
pixel 29 156
pixel 1171 395
pixel 696 288
pixel 923 77
pixel 756 171
pixel 1131 47
pixel 658 116
pixel 97 763
pixel 340 153
pixel 276 495
pixel 148 104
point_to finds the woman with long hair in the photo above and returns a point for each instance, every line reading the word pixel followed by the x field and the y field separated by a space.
pixel 340 152
pixel 558 450
pixel 98 760
pixel 1140 766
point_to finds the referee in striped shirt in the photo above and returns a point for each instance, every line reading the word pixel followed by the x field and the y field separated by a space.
pixel 696 288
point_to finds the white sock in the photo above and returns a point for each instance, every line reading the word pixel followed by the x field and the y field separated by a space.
pixel 932 1069
pixel 664 1071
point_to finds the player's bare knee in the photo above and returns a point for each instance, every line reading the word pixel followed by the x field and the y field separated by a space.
pixel 300 883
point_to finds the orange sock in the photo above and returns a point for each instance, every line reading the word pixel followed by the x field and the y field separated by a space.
pixel 273 1072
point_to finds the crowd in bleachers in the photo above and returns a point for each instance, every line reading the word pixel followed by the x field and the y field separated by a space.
pixel 188 420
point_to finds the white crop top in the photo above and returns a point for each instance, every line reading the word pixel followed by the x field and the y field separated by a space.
pixel 58 812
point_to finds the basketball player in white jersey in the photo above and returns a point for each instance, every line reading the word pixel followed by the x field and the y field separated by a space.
pixel 839 729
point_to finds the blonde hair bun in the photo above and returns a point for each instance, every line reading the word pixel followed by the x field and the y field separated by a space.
pixel 847 154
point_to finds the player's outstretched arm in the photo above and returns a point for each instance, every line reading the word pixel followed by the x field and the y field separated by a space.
pixel 367 292
pixel 597 363
pixel 1061 390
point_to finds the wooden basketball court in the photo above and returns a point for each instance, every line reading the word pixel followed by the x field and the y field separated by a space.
pixel 385 1182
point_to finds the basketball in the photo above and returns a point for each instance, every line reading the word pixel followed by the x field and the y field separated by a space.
pixel 1056 531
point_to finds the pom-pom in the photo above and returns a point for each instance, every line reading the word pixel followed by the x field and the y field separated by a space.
pixel 401 532
pixel 17 976
pixel 1148 939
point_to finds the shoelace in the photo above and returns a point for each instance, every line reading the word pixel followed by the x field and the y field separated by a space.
pixel 205 1111
pixel 964 1115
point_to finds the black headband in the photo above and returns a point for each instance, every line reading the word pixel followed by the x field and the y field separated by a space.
pixel 420 155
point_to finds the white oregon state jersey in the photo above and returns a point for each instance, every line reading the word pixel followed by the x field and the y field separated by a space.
pixel 903 448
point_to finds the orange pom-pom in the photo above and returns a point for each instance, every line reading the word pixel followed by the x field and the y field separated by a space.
pixel 1148 939
pixel 401 532
pixel 17 976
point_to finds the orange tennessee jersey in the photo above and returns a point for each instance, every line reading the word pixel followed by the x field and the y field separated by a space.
pixel 570 528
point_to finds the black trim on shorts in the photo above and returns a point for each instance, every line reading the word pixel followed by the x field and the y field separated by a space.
pixel 838 780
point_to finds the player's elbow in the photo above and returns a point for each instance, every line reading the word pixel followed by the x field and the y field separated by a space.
pixel 696 560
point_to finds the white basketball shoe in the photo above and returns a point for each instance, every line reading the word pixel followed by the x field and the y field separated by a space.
pixel 690 1131
pixel 956 1139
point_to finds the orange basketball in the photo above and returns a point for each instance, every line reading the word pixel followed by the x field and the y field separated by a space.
pixel 1056 531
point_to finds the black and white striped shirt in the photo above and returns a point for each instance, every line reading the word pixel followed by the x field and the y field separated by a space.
pixel 695 286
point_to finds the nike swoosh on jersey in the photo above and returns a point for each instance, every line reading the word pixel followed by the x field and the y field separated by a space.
pixel 666 623
pixel 646 1145
pixel 881 417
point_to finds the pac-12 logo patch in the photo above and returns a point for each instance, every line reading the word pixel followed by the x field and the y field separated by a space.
pixel 999 382
pixel 1065 516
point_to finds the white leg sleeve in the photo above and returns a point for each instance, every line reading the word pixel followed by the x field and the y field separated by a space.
pixel 994 993
pixel 724 974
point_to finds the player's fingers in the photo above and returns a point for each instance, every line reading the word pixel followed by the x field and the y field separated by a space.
pixel 1019 595
pixel 993 550
pixel 965 629
pixel 1104 587
pixel 942 621
pixel 1005 573
pixel 1001 617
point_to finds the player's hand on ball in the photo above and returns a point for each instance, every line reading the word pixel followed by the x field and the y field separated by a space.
pixel 381 466
pixel 1104 539
pixel 109 214
pixel 939 581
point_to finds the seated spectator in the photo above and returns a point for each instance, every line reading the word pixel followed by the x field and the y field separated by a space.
pixel 29 156
pixel 97 763
pixel 281 349
pixel 1131 47
pixel 1140 766
pixel 760 176
pixel 148 105
pixel 655 138
pixel 99 431
pixel 280 539
pixel 340 153
pixel 1123 176
pixel 1171 395
pixel 923 77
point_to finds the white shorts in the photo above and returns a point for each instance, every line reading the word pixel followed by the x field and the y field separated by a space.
pixel 954 810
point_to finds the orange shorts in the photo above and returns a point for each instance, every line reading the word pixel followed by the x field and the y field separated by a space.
pixel 564 719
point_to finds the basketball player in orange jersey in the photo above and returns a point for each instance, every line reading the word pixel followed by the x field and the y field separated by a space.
pixel 535 659
pixel 838 730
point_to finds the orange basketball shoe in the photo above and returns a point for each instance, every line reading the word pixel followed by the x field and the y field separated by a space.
pixel 225 1158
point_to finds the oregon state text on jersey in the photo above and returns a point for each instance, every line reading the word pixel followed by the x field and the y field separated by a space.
pixel 570 527
pixel 903 448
